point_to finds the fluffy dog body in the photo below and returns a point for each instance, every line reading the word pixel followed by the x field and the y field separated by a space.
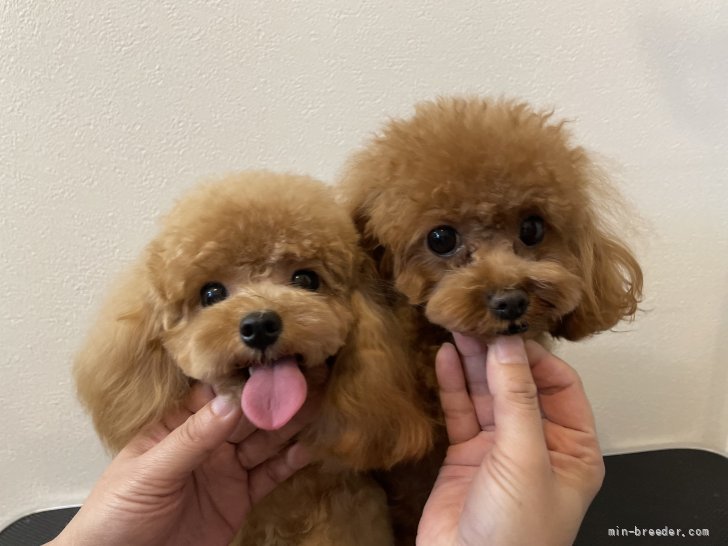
pixel 489 222
pixel 259 244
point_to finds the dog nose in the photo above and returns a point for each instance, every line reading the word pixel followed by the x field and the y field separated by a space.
pixel 260 329
pixel 508 304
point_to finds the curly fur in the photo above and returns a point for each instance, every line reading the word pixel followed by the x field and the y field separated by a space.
pixel 482 167
pixel 250 232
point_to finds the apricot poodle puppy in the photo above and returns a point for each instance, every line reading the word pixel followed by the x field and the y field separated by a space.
pixel 489 221
pixel 257 284
pixel 485 215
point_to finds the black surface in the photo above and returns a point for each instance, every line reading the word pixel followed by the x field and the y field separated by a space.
pixel 37 528
pixel 674 489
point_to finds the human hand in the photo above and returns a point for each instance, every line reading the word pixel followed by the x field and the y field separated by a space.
pixel 180 482
pixel 524 462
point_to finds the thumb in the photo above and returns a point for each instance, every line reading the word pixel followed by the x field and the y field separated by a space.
pixel 190 444
pixel 515 397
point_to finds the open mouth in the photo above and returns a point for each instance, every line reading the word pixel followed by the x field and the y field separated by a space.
pixel 245 370
pixel 274 389
pixel 514 328
pixel 274 392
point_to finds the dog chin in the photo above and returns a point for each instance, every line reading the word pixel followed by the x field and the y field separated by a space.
pixel 514 328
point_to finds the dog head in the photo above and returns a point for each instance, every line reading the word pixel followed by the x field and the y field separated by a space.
pixel 486 215
pixel 257 283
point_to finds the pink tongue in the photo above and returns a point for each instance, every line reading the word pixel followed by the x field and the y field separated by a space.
pixel 274 393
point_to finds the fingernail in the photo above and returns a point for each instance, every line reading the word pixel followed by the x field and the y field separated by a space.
pixel 510 350
pixel 223 405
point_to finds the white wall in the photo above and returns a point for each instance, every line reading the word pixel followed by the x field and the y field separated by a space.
pixel 109 110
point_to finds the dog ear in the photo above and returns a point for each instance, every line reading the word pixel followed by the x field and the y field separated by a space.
pixel 374 418
pixel 124 376
pixel 381 257
pixel 408 279
pixel 613 286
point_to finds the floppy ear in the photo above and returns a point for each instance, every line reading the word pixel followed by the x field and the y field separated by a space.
pixel 613 286
pixel 372 417
pixel 381 257
pixel 408 279
pixel 124 376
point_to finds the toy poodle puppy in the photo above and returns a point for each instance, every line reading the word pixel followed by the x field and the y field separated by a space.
pixel 487 217
pixel 257 284
pixel 490 221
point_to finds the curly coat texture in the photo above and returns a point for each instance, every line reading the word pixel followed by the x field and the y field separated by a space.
pixel 484 167
pixel 251 232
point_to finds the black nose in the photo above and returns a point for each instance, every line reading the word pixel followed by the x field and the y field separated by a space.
pixel 260 329
pixel 508 304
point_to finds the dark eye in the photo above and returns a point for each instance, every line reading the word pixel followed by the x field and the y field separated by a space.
pixel 443 240
pixel 532 230
pixel 212 292
pixel 308 280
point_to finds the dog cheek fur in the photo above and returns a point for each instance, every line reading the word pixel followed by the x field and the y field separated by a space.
pixel 372 415
pixel 459 302
pixel 314 326
pixel 414 282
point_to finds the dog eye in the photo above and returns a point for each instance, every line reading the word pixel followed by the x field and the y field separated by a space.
pixel 443 240
pixel 212 292
pixel 308 280
pixel 532 230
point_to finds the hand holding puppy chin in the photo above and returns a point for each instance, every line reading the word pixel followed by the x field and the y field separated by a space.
pixel 192 478
pixel 524 462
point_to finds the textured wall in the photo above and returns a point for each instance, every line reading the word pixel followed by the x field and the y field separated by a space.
pixel 108 112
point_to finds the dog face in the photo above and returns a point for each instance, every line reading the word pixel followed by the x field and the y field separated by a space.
pixel 257 283
pixel 245 278
pixel 248 286
pixel 484 214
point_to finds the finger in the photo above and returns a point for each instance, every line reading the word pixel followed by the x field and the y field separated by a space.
pixel 155 432
pixel 242 431
pixel 244 427
pixel 187 446
pixel 473 354
pixel 460 417
pixel 264 478
pixel 515 398
pixel 263 444
pixel 200 394
pixel 561 392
